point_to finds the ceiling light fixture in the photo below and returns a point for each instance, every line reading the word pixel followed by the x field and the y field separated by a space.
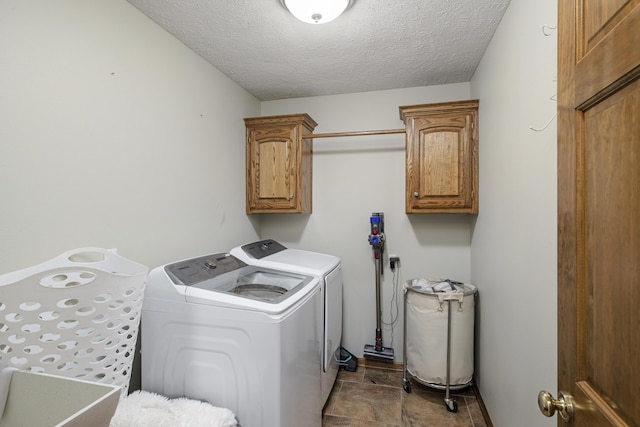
pixel 316 11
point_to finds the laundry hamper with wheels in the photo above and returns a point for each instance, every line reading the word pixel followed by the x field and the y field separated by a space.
pixel 427 346
pixel 76 316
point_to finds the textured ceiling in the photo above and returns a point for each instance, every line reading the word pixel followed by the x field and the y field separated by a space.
pixel 374 45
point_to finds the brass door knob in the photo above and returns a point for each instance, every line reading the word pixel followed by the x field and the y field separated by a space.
pixel 548 405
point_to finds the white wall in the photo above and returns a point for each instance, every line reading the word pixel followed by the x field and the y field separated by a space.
pixel 114 134
pixel 356 176
pixel 513 250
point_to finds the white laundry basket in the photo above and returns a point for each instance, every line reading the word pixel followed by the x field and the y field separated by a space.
pixel 75 316
pixel 426 330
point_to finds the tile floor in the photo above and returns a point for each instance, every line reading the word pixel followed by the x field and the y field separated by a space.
pixel 374 397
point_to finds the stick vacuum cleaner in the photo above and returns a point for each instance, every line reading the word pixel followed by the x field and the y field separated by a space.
pixel 376 240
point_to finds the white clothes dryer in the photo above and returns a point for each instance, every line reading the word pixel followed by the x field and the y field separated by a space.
pixel 328 269
pixel 238 336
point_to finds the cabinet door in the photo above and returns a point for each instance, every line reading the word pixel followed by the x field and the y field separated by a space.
pixel 271 175
pixel 442 162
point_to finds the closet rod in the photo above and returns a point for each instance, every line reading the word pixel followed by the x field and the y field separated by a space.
pixel 358 133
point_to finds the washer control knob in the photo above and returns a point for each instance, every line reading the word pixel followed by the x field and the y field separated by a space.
pixel 211 264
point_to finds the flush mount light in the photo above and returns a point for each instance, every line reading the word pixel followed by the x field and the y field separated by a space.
pixel 316 11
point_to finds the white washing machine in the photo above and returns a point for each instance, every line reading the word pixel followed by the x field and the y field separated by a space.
pixel 238 336
pixel 328 269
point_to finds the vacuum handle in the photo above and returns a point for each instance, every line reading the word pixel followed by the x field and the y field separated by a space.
pixel 376 237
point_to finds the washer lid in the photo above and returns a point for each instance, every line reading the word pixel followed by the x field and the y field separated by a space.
pixel 256 284
pixel 254 289
pixel 191 271
pixel 223 280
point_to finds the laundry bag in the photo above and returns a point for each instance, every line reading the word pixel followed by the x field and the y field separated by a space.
pixel 427 320
pixel 76 316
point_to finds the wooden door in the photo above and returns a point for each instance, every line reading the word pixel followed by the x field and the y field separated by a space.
pixel 599 210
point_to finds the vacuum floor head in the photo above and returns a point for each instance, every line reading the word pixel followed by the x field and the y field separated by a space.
pixel 385 354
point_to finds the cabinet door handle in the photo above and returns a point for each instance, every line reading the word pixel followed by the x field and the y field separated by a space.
pixel 415 194
pixel 290 196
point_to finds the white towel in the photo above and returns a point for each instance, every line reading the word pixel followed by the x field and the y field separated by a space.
pixel 145 409
pixel 444 287
pixel 433 285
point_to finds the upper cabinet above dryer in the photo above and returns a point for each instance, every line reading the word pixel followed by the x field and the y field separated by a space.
pixel 279 164
pixel 442 157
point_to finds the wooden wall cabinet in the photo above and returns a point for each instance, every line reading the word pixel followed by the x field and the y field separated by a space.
pixel 279 164
pixel 442 157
